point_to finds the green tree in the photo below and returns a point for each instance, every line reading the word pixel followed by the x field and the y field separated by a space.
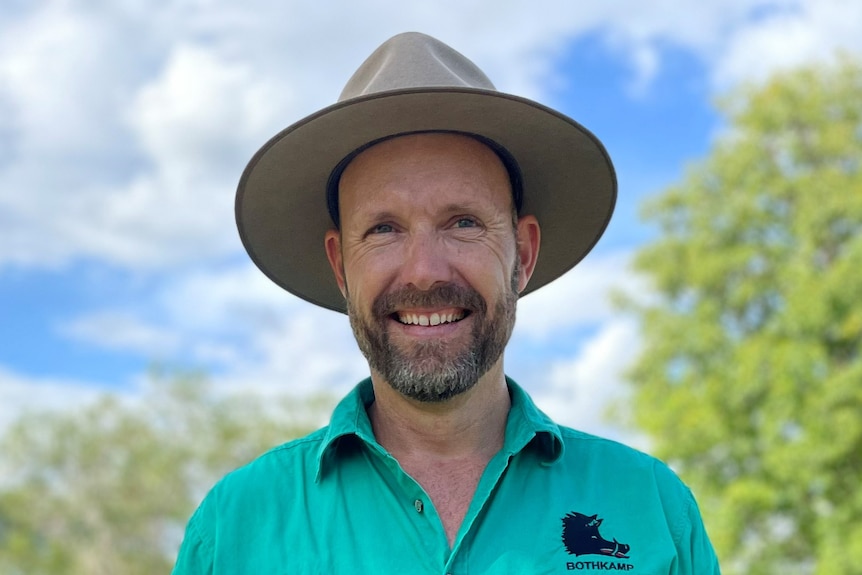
pixel 107 490
pixel 750 381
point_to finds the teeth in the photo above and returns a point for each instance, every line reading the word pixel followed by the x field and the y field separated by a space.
pixel 426 320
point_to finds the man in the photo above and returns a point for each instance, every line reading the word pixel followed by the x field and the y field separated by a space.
pixel 431 193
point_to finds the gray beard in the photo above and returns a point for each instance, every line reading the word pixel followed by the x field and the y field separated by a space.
pixel 430 371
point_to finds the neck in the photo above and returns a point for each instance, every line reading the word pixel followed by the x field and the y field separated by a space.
pixel 469 426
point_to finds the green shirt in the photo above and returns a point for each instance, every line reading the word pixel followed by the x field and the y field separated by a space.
pixel 553 500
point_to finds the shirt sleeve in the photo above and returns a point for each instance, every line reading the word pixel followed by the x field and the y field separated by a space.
pixel 196 553
pixel 695 555
pixel 694 552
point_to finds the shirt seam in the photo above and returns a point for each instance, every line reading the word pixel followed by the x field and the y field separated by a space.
pixel 313 438
pixel 209 546
pixel 575 435
pixel 681 520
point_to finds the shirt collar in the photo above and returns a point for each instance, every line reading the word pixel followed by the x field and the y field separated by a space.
pixel 526 426
pixel 529 426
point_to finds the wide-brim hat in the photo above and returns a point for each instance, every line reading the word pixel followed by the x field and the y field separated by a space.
pixel 414 83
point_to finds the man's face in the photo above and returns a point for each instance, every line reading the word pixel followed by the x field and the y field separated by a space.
pixel 430 261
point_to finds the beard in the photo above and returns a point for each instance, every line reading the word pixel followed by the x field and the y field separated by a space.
pixel 435 370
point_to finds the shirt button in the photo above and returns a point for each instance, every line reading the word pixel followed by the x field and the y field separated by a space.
pixel 418 505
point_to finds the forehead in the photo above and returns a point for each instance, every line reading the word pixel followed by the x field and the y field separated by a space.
pixel 449 167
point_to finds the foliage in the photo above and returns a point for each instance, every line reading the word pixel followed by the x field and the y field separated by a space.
pixel 750 381
pixel 108 489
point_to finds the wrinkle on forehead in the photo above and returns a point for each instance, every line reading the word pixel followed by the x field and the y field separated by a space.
pixel 431 157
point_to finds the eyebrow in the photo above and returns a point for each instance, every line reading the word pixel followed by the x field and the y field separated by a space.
pixel 470 206
pixel 381 216
pixel 451 208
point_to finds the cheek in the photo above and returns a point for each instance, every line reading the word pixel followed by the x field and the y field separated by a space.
pixel 365 277
pixel 489 270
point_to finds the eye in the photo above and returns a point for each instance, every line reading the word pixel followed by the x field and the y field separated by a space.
pixel 382 229
pixel 466 222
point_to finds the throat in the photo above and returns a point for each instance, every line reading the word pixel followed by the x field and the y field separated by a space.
pixel 451 487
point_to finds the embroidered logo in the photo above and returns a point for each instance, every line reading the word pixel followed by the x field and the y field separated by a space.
pixel 581 537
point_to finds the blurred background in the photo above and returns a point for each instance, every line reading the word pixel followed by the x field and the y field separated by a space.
pixel 717 325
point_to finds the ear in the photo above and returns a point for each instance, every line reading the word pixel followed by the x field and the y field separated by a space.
pixel 529 238
pixel 332 243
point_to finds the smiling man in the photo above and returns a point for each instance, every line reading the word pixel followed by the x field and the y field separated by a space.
pixel 431 194
pixel 435 256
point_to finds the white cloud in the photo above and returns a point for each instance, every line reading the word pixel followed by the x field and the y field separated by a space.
pixel 20 393
pixel 236 299
pixel 314 349
pixel 579 391
pixel 130 126
pixel 580 298
pixel 260 339
pixel 576 382
pixel 265 338
pixel 815 31
pixel 51 69
pixel 120 330
pixel 203 111
pixel 248 332
pixel 123 131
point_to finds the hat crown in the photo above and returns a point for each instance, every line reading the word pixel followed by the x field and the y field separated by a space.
pixel 414 60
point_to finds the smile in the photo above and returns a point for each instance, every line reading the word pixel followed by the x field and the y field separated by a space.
pixel 432 319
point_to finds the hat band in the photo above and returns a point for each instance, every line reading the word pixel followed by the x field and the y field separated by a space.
pixel 509 162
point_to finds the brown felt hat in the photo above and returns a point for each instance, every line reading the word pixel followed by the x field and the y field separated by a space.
pixel 414 83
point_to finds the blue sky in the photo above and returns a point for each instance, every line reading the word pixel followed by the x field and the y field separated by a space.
pixel 124 129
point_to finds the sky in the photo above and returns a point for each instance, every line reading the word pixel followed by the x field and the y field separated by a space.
pixel 125 125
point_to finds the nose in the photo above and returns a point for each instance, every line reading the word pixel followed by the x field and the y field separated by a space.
pixel 426 262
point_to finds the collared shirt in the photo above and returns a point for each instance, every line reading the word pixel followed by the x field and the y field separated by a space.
pixel 553 500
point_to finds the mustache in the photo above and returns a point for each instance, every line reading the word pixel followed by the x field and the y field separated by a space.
pixel 444 295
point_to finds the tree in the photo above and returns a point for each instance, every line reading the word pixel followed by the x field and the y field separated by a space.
pixel 108 490
pixel 750 380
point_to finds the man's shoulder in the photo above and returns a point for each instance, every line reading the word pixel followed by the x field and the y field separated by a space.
pixel 278 463
pixel 616 459
pixel 579 443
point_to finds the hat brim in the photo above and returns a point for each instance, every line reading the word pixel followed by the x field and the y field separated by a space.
pixel 569 182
